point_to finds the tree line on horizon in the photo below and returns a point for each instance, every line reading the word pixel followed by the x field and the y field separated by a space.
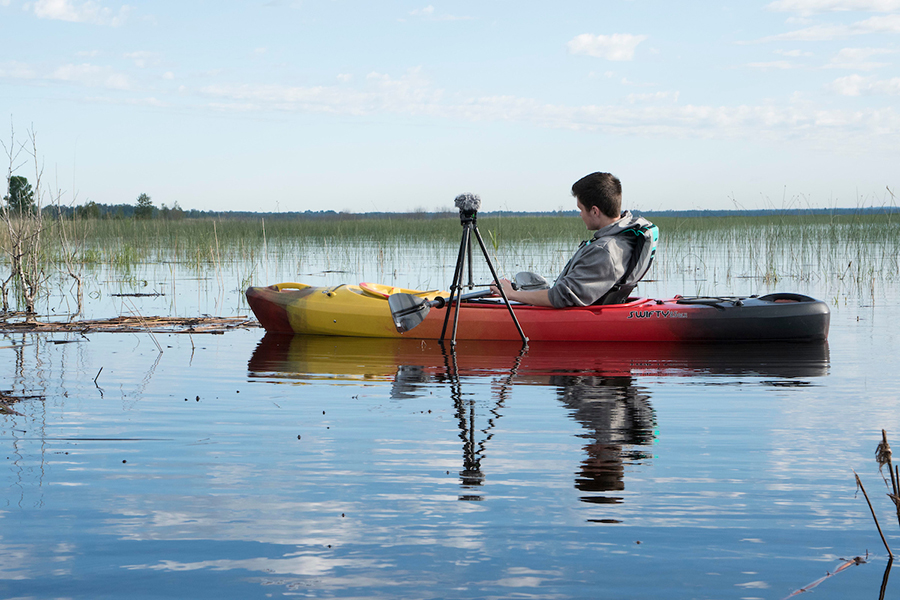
pixel 20 199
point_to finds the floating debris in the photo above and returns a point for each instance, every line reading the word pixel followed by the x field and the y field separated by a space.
pixel 133 324
pixel 138 295
pixel 858 560
pixel 7 399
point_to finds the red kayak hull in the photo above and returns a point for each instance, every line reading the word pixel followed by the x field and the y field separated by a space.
pixel 344 311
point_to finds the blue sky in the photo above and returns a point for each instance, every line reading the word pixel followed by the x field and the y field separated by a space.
pixel 362 106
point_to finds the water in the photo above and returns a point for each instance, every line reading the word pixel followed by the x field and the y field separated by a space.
pixel 252 466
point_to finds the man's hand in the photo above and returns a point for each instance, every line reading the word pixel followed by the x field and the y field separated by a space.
pixel 507 288
pixel 535 297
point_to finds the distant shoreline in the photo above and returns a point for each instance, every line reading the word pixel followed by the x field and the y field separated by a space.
pixel 127 211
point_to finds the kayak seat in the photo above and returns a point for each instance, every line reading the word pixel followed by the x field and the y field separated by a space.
pixel 642 239
pixel 619 294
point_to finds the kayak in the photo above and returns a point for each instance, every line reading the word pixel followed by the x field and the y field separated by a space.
pixel 363 311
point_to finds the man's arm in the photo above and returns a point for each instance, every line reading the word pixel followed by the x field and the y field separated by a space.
pixel 533 297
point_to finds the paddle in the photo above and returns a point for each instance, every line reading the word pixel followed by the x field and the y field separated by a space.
pixel 409 311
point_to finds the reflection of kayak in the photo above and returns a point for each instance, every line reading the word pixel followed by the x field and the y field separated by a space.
pixel 363 311
pixel 307 357
pixel 597 383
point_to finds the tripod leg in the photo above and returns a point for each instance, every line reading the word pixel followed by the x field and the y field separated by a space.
pixel 471 280
pixel 467 240
pixel 457 279
pixel 496 279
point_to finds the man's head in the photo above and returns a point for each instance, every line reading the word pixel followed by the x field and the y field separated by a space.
pixel 602 190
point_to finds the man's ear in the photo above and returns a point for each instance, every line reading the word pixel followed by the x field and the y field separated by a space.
pixel 595 210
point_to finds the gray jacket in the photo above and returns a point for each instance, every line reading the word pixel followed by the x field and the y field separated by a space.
pixel 596 266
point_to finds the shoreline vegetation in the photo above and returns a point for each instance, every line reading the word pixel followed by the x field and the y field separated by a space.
pixel 93 210
pixel 856 249
pixel 866 239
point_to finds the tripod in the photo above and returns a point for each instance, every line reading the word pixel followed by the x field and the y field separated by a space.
pixel 468 205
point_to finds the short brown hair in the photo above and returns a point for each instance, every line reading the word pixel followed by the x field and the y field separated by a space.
pixel 603 190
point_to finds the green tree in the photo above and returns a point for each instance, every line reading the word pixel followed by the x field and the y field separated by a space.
pixel 21 197
pixel 144 209
pixel 176 214
pixel 89 210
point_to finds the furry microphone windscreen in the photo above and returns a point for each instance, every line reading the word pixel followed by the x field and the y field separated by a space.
pixel 468 202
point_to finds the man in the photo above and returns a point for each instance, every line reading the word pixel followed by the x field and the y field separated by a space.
pixel 600 263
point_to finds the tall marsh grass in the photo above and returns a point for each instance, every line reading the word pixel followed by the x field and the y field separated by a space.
pixel 772 247
pixel 845 254
pixel 851 248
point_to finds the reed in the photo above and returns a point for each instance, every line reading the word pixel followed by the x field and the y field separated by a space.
pixel 848 254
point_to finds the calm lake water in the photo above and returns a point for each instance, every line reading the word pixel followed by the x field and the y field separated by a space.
pixel 247 465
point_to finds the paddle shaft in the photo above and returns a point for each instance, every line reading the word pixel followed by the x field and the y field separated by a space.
pixel 440 302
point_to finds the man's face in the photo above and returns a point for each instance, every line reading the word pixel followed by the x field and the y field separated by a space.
pixel 590 216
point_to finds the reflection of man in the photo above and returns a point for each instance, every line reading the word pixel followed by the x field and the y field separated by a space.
pixel 615 415
pixel 603 261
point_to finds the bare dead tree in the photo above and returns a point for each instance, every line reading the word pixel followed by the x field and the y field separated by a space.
pixel 13 153
pixel 24 229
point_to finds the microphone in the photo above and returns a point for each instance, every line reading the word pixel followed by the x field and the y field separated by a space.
pixel 468 203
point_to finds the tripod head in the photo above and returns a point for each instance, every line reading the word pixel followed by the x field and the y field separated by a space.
pixel 468 205
pixel 408 311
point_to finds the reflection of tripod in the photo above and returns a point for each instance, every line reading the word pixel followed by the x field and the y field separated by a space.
pixel 468 205
pixel 471 476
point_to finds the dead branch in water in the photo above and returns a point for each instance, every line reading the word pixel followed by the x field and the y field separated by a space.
pixel 883 457
pixel 134 324
pixel 7 399
pixel 139 295
pixel 872 510
pixel 858 560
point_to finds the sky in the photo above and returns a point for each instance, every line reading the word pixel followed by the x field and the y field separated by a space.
pixel 360 106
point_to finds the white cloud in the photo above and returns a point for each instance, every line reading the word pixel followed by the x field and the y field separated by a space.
pixel 430 14
pixel 817 33
pixel 646 113
pixel 652 97
pixel 83 12
pixel 652 114
pixel 142 59
pixel 778 65
pixel 809 7
pixel 883 24
pixel 91 76
pixel 794 53
pixel 381 93
pixel 618 46
pixel 857 85
pixel 847 86
pixel 856 59
pixel 17 70
pixel 149 101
